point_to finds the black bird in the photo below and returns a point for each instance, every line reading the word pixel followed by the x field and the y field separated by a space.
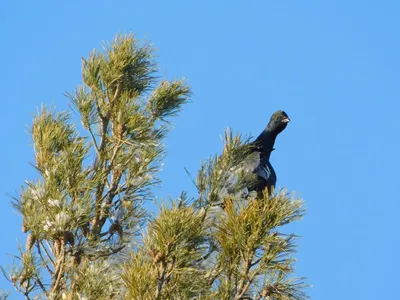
pixel 256 168
pixel 261 150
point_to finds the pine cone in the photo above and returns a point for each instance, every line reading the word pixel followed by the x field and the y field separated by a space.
pixel 24 228
pixel 29 242
pixel 77 258
pixel 115 227
pixel 69 238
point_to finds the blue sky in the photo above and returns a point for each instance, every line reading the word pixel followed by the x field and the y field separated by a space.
pixel 333 66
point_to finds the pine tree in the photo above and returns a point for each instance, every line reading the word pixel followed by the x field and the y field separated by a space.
pixel 89 235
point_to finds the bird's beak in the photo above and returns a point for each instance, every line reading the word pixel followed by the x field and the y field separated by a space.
pixel 286 120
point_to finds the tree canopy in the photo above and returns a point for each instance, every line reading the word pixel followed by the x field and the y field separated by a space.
pixel 88 233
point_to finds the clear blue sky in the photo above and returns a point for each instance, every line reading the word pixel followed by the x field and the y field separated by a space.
pixel 333 66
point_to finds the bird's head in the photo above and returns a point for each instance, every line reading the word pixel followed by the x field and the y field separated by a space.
pixel 278 121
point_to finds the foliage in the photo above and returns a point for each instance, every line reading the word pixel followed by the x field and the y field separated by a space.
pixel 164 267
pixel 88 233
pixel 87 204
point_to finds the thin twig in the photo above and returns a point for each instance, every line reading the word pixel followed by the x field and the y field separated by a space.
pixel 41 285
pixel 47 253
pixel 44 262
pixel 160 283
pixel 94 141
pixel 243 285
pixel 117 91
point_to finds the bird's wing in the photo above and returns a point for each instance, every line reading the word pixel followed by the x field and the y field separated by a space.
pixel 263 170
pixel 266 171
pixel 252 162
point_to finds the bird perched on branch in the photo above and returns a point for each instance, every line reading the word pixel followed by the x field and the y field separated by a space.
pixel 256 169
pixel 261 150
